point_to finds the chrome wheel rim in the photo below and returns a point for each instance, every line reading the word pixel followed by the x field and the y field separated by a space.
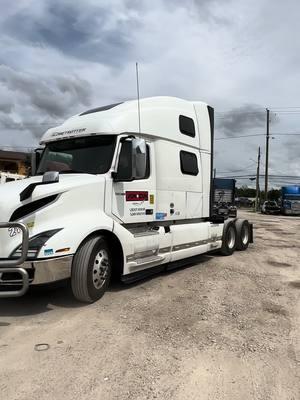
pixel 100 269
pixel 245 234
pixel 231 237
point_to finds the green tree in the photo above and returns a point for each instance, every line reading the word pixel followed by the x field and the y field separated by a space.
pixel 274 194
pixel 245 191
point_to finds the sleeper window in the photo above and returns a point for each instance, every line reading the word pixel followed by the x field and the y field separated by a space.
pixel 187 126
pixel 188 163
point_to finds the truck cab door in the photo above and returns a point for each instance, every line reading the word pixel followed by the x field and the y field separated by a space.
pixel 133 191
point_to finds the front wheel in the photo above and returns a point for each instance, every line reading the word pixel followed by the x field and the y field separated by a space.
pixel 91 270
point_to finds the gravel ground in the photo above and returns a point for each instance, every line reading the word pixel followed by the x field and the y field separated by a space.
pixel 223 328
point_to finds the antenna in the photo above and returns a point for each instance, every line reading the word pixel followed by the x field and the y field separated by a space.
pixel 138 93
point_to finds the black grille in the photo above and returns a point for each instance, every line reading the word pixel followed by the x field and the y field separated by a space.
pixel 15 277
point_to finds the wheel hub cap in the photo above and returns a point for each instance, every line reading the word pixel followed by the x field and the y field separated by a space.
pixel 245 235
pixel 100 269
pixel 231 238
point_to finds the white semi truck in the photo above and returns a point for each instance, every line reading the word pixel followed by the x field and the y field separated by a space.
pixel 115 192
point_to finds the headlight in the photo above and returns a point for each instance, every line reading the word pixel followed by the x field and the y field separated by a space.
pixel 35 244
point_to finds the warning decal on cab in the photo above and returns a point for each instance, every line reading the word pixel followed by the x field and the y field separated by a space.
pixel 136 196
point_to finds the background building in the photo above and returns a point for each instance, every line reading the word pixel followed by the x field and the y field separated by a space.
pixel 14 162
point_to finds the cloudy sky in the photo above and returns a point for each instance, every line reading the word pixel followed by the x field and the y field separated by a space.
pixel 59 57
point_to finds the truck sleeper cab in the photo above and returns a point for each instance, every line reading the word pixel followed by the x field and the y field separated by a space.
pixel 107 199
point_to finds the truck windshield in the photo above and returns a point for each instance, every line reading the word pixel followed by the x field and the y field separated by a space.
pixel 90 155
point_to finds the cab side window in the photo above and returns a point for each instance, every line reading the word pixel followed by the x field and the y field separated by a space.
pixel 125 166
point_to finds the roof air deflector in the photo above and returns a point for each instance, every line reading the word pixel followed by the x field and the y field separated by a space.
pixel 98 109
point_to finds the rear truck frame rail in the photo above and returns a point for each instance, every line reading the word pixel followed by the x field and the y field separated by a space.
pixel 12 265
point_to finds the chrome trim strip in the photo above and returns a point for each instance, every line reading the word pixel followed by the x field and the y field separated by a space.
pixel 195 244
pixel 164 250
pixel 144 263
pixel 146 233
pixel 141 254
pixel 168 222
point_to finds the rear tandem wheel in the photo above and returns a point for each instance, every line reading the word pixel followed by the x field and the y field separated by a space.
pixel 243 234
pixel 229 239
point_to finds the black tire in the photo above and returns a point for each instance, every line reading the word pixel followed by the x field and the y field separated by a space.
pixel 91 270
pixel 228 239
pixel 243 234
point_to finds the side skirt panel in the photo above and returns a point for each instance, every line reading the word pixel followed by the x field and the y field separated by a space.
pixel 136 276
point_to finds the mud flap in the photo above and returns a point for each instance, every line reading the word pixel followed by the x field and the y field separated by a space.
pixel 251 233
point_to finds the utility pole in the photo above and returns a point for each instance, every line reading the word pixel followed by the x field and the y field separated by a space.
pixel 257 181
pixel 267 154
pixel 215 172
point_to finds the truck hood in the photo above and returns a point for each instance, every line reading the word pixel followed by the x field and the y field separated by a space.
pixel 10 192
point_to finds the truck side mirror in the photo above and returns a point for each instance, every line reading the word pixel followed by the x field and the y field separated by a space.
pixel 132 160
pixel 139 154
pixel 35 160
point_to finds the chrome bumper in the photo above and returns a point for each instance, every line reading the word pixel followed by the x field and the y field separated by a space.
pixel 37 272
pixel 20 274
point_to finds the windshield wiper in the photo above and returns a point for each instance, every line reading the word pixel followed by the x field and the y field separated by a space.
pixel 69 171
pixel 73 171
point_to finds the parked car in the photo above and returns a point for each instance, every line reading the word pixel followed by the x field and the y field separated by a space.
pixel 244 202
pixel 270 207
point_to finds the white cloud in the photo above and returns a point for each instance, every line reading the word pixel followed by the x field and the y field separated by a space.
pixel 229 54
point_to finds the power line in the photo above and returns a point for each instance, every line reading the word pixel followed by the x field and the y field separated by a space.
pixel 286 134
pixel 15 147
pixel 285 112
pixel 240 112
pixel 257 134
pixel 262 175
pixel 25 127
pixel 260 111
pixel 238 170
pixel 238 137
pixel 283 108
